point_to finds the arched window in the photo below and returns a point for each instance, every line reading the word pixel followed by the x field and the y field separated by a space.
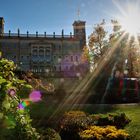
pixel 66 58
pixel 76 58
pixel 34 52
pixel 59 68
pixel 54 68
pixel 41 52
pixel 71 58
pixel 47 52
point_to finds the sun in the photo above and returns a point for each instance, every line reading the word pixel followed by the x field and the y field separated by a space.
pixel 131 23
pixel 129 18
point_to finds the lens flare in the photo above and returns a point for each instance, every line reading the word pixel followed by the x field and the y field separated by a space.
pixel 35 96
pixel 23 104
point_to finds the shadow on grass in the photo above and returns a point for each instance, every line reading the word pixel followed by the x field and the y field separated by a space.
pixel 43 115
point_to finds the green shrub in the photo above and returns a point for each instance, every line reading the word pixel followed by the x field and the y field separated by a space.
pixel 13 120
pixel 103 133
pixel 118 120
pixel 73 122
pixel 49 134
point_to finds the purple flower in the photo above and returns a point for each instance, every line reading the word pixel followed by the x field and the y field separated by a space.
pixel 12 92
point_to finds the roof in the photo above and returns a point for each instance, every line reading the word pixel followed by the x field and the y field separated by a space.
pixel 79 22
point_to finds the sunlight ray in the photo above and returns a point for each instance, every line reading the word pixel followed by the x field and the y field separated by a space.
pixel 119 7
pixel 80 93
pixel 115 46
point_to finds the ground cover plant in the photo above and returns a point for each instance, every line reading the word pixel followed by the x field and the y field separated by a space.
pixel 78 125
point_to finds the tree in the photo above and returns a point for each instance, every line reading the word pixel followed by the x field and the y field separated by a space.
pixel 97 41
pixel 85 55
pixel 117 32
pixel 116 26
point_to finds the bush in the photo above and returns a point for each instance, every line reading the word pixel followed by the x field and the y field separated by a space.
pixel 118 120
pixel 103 133
pixel 14 121
pixel 49 134
pixel 72 123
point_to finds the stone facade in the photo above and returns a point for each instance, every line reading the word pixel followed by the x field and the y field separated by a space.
pixel 45 54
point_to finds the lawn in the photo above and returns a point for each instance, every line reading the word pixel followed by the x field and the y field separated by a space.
pixel 42 113
pixel 133 112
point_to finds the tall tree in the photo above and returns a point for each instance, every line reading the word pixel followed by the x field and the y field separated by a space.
pixel 117 32
pixel 97 41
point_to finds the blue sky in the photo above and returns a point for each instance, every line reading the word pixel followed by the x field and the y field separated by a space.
pixel 54 15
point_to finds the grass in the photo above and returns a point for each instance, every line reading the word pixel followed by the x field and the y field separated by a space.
pixel 42 112
pixel 133 112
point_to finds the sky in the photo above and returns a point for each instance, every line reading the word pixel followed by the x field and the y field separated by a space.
pixel 54 15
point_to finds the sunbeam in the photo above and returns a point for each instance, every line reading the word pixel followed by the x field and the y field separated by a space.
pixel 81 93
pixel 129 17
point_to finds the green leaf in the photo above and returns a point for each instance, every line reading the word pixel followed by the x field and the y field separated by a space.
pixel 10 121
pixel 6 104
pixel 28 86
pixel 2 81
pixel 20 81
pixel 1 115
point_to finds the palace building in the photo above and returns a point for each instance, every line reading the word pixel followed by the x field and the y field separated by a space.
pixel 46 54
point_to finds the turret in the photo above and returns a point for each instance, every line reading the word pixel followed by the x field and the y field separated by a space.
pixel 1 26
pixel 80 32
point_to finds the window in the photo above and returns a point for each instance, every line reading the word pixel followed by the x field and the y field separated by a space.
pixel 66 58
pixel 54 68
pixel 59 47
pixel 47 52
pixel 59 59
pixel 41 52
pixel 71 58
pixel 76 58
pixel 59 68
pixel 54 48
pixel 34 52
pixel 67 68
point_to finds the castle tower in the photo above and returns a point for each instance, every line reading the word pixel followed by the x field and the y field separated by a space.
pixel 1 26
pixel 80 32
